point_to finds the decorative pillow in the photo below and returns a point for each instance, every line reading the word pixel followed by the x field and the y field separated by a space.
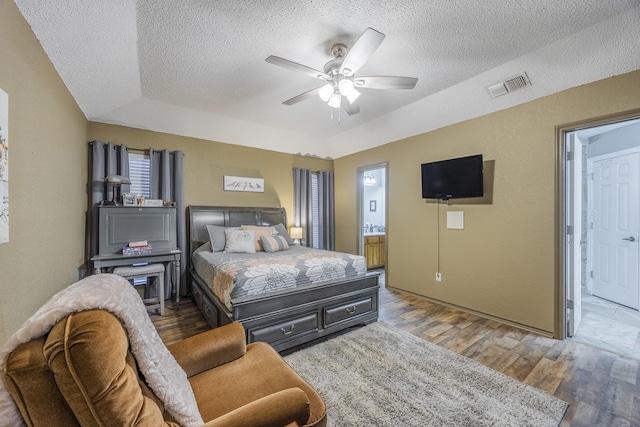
pixel 216 237
pixel 238 240
pixel 258 231
pixel 280 230
pixel 274 243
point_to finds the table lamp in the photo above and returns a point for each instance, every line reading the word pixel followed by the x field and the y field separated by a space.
pixel 115 181
pixel 296 234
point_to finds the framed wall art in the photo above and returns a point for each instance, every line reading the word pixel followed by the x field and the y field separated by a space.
pixel 4 167
pixel 239 183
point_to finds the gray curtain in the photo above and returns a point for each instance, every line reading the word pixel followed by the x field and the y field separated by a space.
pixel 303 207
pixel 326 211
pixel 106 159
pixel 303 203
pixel 167 183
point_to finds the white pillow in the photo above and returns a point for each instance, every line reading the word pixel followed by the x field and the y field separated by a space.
pixel 241 241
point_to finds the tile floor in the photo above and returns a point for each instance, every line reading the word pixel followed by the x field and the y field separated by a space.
pixel 609 326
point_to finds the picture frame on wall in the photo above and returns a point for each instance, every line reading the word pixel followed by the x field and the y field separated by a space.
pixel 4 167
pixel 239 183
pixel 373 205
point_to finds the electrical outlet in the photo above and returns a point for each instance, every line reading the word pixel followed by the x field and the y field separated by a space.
pixel 438 276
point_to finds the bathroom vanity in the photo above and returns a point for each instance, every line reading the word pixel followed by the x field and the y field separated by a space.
pixel 375 249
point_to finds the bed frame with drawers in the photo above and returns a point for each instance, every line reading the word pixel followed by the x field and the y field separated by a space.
pixel 284 319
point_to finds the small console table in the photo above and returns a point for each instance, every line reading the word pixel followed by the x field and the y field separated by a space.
pixel 116 260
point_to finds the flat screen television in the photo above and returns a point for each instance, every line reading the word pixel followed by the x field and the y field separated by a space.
pixel 453 179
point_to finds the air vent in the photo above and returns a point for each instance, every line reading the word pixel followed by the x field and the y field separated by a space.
pixel 509 85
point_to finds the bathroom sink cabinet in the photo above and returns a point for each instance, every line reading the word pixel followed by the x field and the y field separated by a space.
pixel 374 251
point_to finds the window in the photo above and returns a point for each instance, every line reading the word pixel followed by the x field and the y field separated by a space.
pixel 315 210
pixel 140 174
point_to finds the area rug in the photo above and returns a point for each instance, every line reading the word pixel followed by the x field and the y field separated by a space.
pixel 379 375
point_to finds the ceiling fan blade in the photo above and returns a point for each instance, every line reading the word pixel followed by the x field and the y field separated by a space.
pixel 294 66
pixel 350 108
pixel 385 82
pixel 361 51
pixel 303 96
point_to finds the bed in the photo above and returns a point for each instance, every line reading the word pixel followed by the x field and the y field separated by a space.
pixel 286 316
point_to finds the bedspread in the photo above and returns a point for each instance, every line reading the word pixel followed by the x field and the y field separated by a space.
pixel 233 276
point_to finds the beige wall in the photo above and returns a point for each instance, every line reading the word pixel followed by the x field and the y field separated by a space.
pixel 206 162
pixel 502 263
pixel 47 176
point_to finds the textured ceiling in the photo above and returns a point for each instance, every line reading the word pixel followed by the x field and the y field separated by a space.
pixel 197 68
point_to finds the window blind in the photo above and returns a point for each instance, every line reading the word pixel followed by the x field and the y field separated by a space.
pixel 140 174
pixel 315 208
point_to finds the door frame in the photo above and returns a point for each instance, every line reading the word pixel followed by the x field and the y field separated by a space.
pixel 561 209
pixel 574 242
pixel 361 206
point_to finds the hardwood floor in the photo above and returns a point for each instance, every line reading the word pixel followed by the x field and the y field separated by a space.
pixel 600 387
pixel 176 325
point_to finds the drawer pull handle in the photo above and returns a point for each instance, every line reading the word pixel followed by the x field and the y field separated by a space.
pixel 287 332
pixel 351 310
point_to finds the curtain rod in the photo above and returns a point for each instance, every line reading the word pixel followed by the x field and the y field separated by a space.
pixel 312 171
pixel 140 150
pixel 148 150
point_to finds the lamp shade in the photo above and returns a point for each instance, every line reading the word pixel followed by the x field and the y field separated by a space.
pixel 335 100
pixel 325 92
pixel 295 232
pixel 345 87
pixel 117 180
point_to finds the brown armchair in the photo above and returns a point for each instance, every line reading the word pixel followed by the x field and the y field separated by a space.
pixel 82 373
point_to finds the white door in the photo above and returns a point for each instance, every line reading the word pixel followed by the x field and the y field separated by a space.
pixel 574 235
pixel 614 217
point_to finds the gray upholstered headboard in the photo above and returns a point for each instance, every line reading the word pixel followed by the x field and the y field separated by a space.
pixel 226 216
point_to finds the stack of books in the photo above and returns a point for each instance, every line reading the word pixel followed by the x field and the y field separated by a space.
pixel 137 248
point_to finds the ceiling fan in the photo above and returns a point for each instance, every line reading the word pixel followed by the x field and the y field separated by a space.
pixel 339 74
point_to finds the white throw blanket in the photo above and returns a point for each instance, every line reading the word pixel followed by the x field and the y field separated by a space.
pixel 112 293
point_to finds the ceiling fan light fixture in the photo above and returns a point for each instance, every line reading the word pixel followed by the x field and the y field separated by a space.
pixel 345 87
pixel 339 74
pixel 353 96
pixel 325 92
pixel 335 100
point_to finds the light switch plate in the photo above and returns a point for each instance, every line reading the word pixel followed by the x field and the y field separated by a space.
pixel 455 220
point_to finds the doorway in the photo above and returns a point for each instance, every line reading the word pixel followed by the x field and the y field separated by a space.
pixel 601 223
pixel 372 215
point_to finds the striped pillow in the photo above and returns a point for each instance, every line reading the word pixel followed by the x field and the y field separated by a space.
pixel 274 243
